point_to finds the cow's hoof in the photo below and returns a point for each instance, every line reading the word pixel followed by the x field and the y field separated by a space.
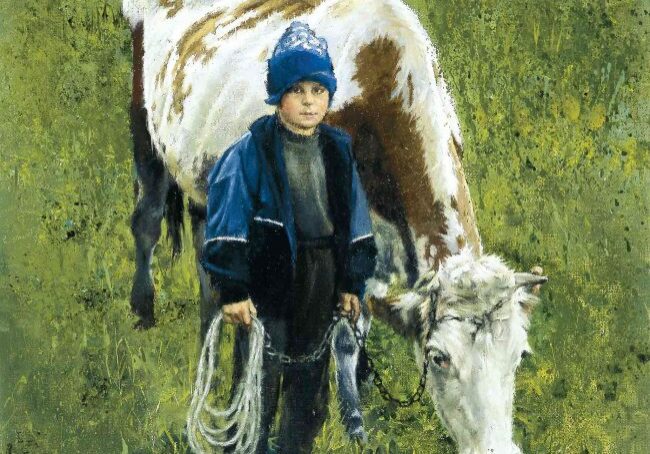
pixel 144 323
pixel 359 436
pixel 146 318
pixel 142 297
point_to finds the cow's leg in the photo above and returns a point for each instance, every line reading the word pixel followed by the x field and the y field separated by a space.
pixel 208 294
pixel 346 354
pixel 152 186
pixel 151 189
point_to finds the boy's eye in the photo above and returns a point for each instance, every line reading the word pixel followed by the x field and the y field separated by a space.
pixel 318 90
pixel 296 89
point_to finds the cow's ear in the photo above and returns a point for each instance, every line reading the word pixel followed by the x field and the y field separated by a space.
pixel 532 282
pixel 402 311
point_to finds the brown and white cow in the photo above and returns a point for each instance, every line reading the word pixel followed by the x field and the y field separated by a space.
pixel 198 83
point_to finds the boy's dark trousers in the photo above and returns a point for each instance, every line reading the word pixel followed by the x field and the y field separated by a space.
pixel 296 329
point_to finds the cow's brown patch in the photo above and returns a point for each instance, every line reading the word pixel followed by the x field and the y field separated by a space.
pixel 192 45
pixel 377 65
pixel 160 77
pixel 264 8
pixel 173 5
pixel 463 202
pixel 137 89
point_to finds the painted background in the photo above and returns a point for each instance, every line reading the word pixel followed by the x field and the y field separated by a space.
pixel 553 98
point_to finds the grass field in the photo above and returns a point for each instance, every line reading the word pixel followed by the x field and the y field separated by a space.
pixel 554 103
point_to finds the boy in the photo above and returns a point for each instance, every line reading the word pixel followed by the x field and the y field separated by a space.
pixel 288 234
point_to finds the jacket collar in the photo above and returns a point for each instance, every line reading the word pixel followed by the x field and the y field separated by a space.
pixel 266 135
pixel 265 128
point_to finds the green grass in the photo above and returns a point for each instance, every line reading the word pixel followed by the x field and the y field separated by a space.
pixel 553 102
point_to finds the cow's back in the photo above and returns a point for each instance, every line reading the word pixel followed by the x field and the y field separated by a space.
pixel 205 68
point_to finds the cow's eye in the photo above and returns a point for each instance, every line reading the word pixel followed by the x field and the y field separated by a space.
pixel 441 360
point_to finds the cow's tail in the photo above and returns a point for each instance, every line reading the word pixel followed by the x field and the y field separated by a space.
pixel 174 209
pixel 136 10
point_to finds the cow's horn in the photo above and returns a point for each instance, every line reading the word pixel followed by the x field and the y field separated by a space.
pixel 529 279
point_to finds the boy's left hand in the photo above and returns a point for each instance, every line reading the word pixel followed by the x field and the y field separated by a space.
pixel 349 306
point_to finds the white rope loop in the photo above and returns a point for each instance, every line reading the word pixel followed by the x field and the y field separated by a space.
pixel 245 407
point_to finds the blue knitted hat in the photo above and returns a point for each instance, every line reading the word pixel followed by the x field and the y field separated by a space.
pixel 299 55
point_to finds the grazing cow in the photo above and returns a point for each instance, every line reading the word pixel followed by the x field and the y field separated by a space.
pixel 198 83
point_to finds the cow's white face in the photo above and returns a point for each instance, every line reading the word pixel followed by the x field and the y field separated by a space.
pixel 474 334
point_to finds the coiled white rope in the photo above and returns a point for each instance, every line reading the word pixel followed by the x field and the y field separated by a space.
pixel 244 412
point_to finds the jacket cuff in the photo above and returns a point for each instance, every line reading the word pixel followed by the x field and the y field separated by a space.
pixel 229 291
pixel 357 289
pixel 360 266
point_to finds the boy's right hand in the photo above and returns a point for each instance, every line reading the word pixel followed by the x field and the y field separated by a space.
pixel 239 313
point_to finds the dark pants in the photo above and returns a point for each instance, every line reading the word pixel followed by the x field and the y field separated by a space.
pixel 297 330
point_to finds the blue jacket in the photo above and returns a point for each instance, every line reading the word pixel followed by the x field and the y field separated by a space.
pixel 251 244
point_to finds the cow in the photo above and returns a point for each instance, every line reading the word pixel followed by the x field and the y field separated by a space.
pixel 198 83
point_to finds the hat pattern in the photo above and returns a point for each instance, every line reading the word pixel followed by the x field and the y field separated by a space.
pixel 300 36
pixel 299 55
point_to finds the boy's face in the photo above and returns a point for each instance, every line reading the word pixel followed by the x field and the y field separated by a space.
pixel 303 107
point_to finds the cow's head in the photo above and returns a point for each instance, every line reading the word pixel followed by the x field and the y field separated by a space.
pixel 470 319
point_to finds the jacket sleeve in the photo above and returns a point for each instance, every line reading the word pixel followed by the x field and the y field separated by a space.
pixel 362 251
pixel 229 209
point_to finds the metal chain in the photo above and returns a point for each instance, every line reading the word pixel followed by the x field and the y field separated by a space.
pixel 379 383
pixel 318 353
pixel 314 356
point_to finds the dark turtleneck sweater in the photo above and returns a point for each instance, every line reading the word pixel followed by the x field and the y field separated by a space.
pixel 306 173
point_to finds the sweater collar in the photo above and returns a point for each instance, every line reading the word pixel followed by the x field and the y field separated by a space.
pixel 293 137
